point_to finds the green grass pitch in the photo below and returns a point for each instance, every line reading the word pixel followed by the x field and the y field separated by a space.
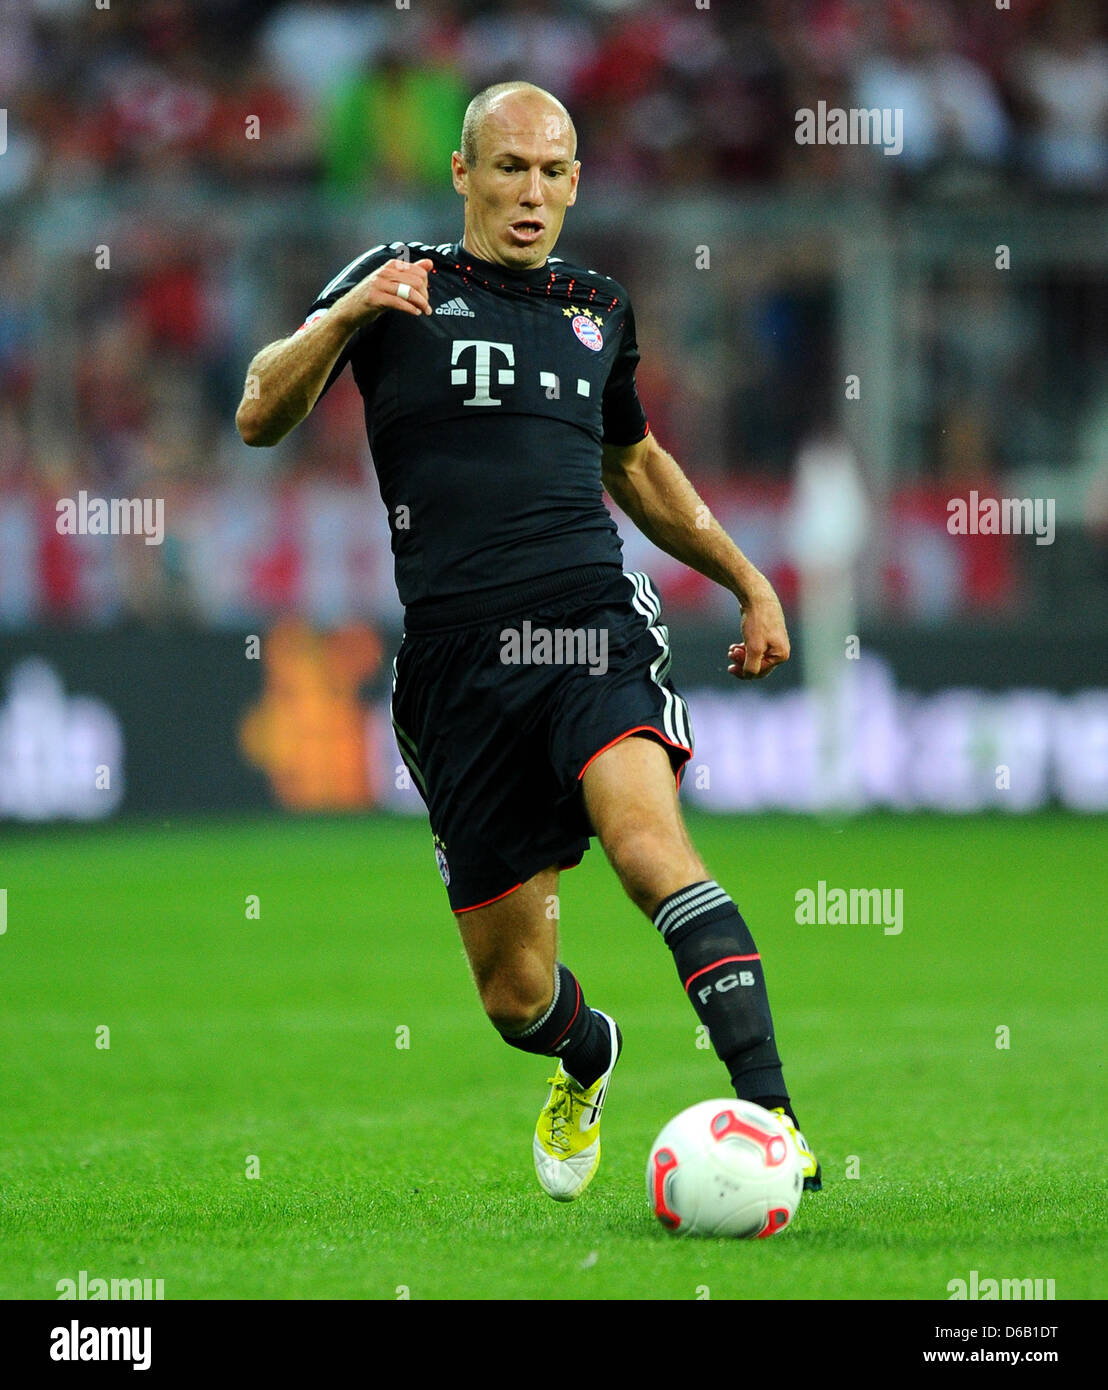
pixel 385 1169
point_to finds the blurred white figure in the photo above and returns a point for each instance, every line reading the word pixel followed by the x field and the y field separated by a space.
pixel 535 37
pixel 951 107
pixel 313 45
pixel 827 527
pixel 1064 79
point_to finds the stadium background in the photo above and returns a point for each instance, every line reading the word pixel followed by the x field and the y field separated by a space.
pixel 152 243
pixel 836 342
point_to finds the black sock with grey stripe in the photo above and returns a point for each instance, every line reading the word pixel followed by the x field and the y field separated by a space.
pixel 722 974
pixel 570 1031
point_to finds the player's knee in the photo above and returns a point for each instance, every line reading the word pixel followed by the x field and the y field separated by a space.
pixel 513 1004
pixel 651 863
pixel 512 1017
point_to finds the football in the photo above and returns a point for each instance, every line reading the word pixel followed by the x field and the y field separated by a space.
pixel 725 1168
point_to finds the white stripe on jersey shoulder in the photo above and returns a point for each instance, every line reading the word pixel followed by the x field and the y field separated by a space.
pixel 345 271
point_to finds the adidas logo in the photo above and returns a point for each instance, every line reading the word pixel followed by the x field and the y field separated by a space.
pixel 456 306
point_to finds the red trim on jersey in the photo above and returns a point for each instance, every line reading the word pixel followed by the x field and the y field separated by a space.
pixel 312 318
pixel 632 443
pixel 489 900
pixel 638 729
pixel 724 960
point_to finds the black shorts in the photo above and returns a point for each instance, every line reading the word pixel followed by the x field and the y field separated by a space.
pixel 497 720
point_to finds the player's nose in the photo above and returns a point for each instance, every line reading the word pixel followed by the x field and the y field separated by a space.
pixel 533 195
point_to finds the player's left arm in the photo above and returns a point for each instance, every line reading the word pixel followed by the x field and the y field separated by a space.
pixel 648 484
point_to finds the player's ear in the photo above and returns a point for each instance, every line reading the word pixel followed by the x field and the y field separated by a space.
pixel 458 172
pixel 573 183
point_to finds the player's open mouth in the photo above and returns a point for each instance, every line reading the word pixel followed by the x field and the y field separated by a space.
pixel 526 231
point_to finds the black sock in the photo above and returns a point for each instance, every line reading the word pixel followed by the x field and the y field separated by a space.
pixel 569 1030
pixel 722 974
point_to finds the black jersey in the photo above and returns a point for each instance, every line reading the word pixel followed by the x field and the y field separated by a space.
pixel 486 417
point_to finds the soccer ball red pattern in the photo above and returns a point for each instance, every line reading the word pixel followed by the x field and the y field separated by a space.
pixel 725 1168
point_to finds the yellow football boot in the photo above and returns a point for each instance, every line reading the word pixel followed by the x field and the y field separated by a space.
pixel 813 1173
pixel 567 1137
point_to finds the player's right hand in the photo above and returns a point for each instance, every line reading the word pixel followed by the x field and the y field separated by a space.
pixel 378 292
pixel 765 640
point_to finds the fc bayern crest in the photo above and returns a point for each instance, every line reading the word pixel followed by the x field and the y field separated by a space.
pixel 440 860
pixel 588 333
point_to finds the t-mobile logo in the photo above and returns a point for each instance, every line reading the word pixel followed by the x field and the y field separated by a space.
pixel 482 369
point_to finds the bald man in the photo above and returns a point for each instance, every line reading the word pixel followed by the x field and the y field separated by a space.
pixel 531 698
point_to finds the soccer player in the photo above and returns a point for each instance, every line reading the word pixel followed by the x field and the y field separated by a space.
pixel 531 699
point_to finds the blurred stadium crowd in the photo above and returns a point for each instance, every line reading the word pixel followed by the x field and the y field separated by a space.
pixel 356 96
pixel 129 128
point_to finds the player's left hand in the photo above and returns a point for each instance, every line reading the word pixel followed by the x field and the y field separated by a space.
pixel 765 641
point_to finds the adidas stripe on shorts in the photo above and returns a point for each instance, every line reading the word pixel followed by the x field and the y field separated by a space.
pixel 498 717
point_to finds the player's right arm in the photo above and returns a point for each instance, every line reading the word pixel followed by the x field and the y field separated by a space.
pixel 285 379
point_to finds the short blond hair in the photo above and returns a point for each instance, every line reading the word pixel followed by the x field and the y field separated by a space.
pixel 479 108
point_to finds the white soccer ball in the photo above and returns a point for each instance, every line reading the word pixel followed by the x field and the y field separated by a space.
pixel 725 1168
